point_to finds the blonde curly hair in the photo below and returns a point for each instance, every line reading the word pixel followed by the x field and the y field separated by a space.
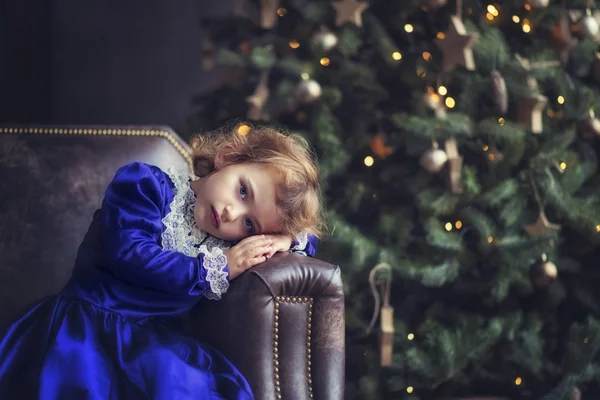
pixel 298 194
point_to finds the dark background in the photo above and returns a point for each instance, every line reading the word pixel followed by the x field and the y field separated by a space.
pixel 103 61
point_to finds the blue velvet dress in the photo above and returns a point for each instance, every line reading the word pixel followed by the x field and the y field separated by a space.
pixel 109 334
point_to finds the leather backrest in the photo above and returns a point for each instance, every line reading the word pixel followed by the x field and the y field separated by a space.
pixel 51 182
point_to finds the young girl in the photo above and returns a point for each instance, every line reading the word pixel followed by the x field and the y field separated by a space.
pixel 160 242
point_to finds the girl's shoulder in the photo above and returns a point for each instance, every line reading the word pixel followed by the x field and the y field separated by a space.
pixel 138 170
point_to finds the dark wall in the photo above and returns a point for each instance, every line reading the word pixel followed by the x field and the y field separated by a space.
pixel 25 61
pixel 101 61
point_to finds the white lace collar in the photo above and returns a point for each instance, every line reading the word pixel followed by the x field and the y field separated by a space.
pixel 181 234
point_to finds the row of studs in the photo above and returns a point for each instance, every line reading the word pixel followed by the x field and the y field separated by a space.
pixel 117 132
pixel 292 299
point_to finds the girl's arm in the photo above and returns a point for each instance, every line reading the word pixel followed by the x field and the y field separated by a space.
pixel 133 208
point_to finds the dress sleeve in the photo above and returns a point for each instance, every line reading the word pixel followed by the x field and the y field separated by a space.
pixel 305 244
pixel 133 208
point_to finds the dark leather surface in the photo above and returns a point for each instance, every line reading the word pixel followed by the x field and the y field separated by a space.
pixel 50 185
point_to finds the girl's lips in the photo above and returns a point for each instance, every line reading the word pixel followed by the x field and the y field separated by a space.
pixel 215 218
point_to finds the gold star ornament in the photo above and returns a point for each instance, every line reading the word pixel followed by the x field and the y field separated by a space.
pixel 456 46
pixel 349 11
pixel 542 226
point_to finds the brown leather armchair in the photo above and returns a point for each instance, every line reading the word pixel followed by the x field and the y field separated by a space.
pixel 281 323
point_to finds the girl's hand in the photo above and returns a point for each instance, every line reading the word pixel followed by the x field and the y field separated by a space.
pixel 247 253
pixel 280 243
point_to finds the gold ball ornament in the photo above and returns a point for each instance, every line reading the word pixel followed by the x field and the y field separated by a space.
pixel 543 274
pixel 538 3
pixel 433 160
pixel 432 5
pixel 589 128
pixel 308 91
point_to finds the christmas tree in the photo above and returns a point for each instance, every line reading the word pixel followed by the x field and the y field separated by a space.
pixel 458 150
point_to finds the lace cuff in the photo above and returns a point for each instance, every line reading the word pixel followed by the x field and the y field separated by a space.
pixel 300 243
pixel 215 264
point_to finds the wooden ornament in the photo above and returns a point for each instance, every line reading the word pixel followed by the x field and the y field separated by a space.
pixel 455 163
pixel 268 13
pixel 589 128
pixel 562 40
pixel 386 322
pixel 257 100
pixel 529 112
pixel 541 227
pixel 386 331
pixel 499 92
pixel 349 11
pixel 456 46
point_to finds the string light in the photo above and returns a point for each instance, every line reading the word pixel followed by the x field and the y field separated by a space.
pixel 490 239
pixel 441 35
pixel 518 381
pixel 526 27
pixel 410 336
pixel 528 6
pixel 409 28
pixel 442 90
pixel 563 165
pixel 294 44
pixel 243 130
pixel 501 121
pixel 489 16
pixel 585 340
pixel 426 55
pixel 448 226
pixel 369 161
pixel 421 73
pixel 305 75
pixel 450 103
pixel 516 19
pixel 281 11
pixel 409 389
pixel 561 100
pixel 485 147
pixel 397 56
pixel 458 224
pixel 597 228
pixel 325 61
pixel 492 10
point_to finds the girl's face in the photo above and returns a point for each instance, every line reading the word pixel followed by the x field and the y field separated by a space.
pixel 237 201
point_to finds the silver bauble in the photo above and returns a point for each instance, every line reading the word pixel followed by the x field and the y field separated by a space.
pixel 326 40
pixel 433 160
pixel 308 91
pixel 588 26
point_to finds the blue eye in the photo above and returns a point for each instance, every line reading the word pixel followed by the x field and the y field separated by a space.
pixel 243 192
pixel 249 225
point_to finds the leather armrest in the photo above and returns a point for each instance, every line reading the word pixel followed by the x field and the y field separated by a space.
pixel 283 319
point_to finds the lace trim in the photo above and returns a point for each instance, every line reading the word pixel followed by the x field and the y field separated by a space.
pixel 181 234
pixel 215 263
pixel 302 241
